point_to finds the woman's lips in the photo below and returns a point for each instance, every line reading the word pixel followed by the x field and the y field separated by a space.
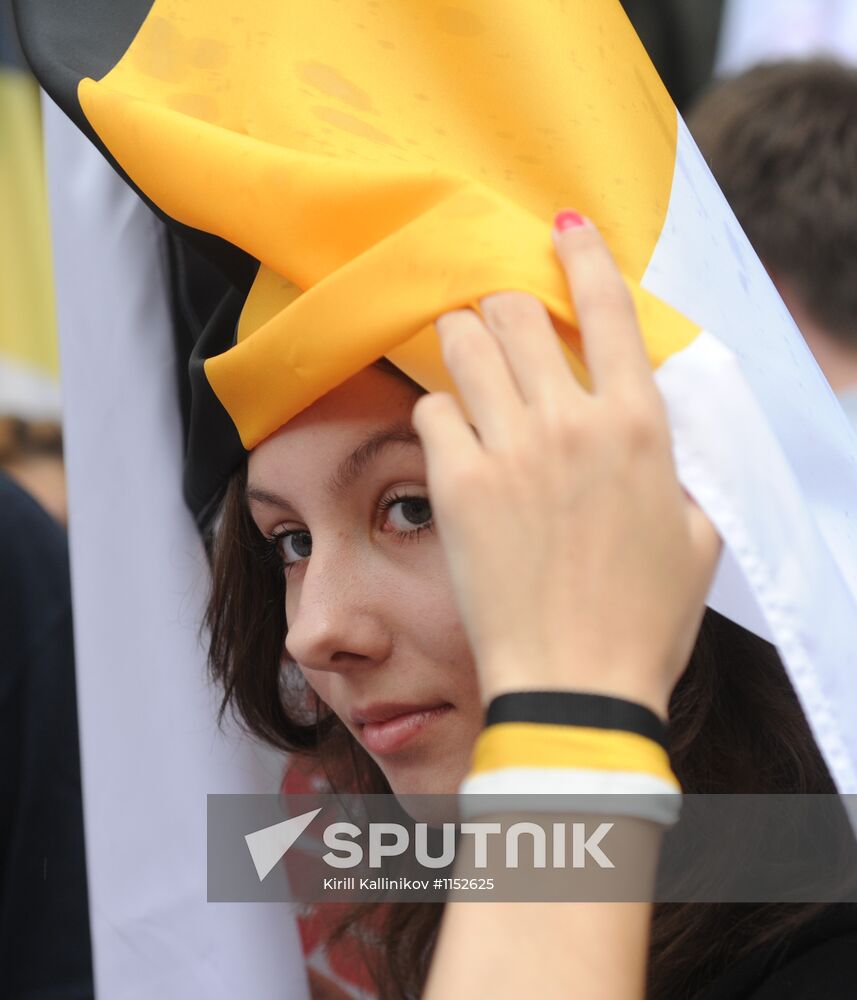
pixel 391 734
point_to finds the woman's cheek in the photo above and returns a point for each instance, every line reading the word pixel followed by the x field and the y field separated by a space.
pixel 435 602
pixel 292 598
pixel 319 681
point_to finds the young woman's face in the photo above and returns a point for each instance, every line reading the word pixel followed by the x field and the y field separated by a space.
pixel 372 624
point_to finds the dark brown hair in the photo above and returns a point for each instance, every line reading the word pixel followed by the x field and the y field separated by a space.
pixel 781 141
pixel 735 726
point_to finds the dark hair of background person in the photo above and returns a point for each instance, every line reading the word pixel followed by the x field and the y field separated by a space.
pixel 781 141
pixel 20 439
pixel 31 452
pixel 735 727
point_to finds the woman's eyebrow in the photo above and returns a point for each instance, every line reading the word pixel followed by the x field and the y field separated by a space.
pixel 350 467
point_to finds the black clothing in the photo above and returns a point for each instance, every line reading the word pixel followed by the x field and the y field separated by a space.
pixel 44 921
pixel 816 962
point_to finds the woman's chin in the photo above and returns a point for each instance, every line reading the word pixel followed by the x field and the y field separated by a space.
pixel 433 808
pixel 429 796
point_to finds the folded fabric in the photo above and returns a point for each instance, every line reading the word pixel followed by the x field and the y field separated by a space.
pixel 371 165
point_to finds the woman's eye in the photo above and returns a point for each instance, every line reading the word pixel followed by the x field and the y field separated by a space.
pixel 294 546
pixel 408 516
pixel 408 513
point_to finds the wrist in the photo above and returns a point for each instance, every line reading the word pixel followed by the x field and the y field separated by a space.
pixel 636 689
pixel 610 751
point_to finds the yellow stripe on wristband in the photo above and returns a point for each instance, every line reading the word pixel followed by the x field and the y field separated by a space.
pixel 543 745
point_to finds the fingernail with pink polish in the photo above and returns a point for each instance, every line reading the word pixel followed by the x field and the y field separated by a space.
pixel 568 220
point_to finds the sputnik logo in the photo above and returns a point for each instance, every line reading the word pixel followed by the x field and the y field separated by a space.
pixel 267 846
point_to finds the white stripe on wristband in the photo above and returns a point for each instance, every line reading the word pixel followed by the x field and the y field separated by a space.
pixel 616 793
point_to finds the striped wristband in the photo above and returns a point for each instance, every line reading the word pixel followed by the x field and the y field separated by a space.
pixel 547 743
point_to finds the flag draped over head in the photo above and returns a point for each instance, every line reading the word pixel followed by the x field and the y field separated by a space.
pixel 358 168
pixel 366 166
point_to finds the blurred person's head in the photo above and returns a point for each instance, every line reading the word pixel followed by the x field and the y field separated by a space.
pixel 781 140
pixel 31 453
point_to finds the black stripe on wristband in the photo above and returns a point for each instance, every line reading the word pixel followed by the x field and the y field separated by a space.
pixel 577 708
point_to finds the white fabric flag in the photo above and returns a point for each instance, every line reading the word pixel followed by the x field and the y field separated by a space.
pixel 150 748
pixel 763 444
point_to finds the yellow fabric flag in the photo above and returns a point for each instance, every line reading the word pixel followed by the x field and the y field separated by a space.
pixel 385 162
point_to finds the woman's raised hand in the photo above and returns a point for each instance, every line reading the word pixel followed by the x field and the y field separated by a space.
pixel 577 560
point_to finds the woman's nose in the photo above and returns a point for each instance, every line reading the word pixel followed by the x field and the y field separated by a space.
pixel 336 613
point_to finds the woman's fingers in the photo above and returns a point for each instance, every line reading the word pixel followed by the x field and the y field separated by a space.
pixel 509 361
pixel 514 359
pixel 487 386
pixel 579 493
pixel 448 442
pixel 530 344
pixel 605 311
